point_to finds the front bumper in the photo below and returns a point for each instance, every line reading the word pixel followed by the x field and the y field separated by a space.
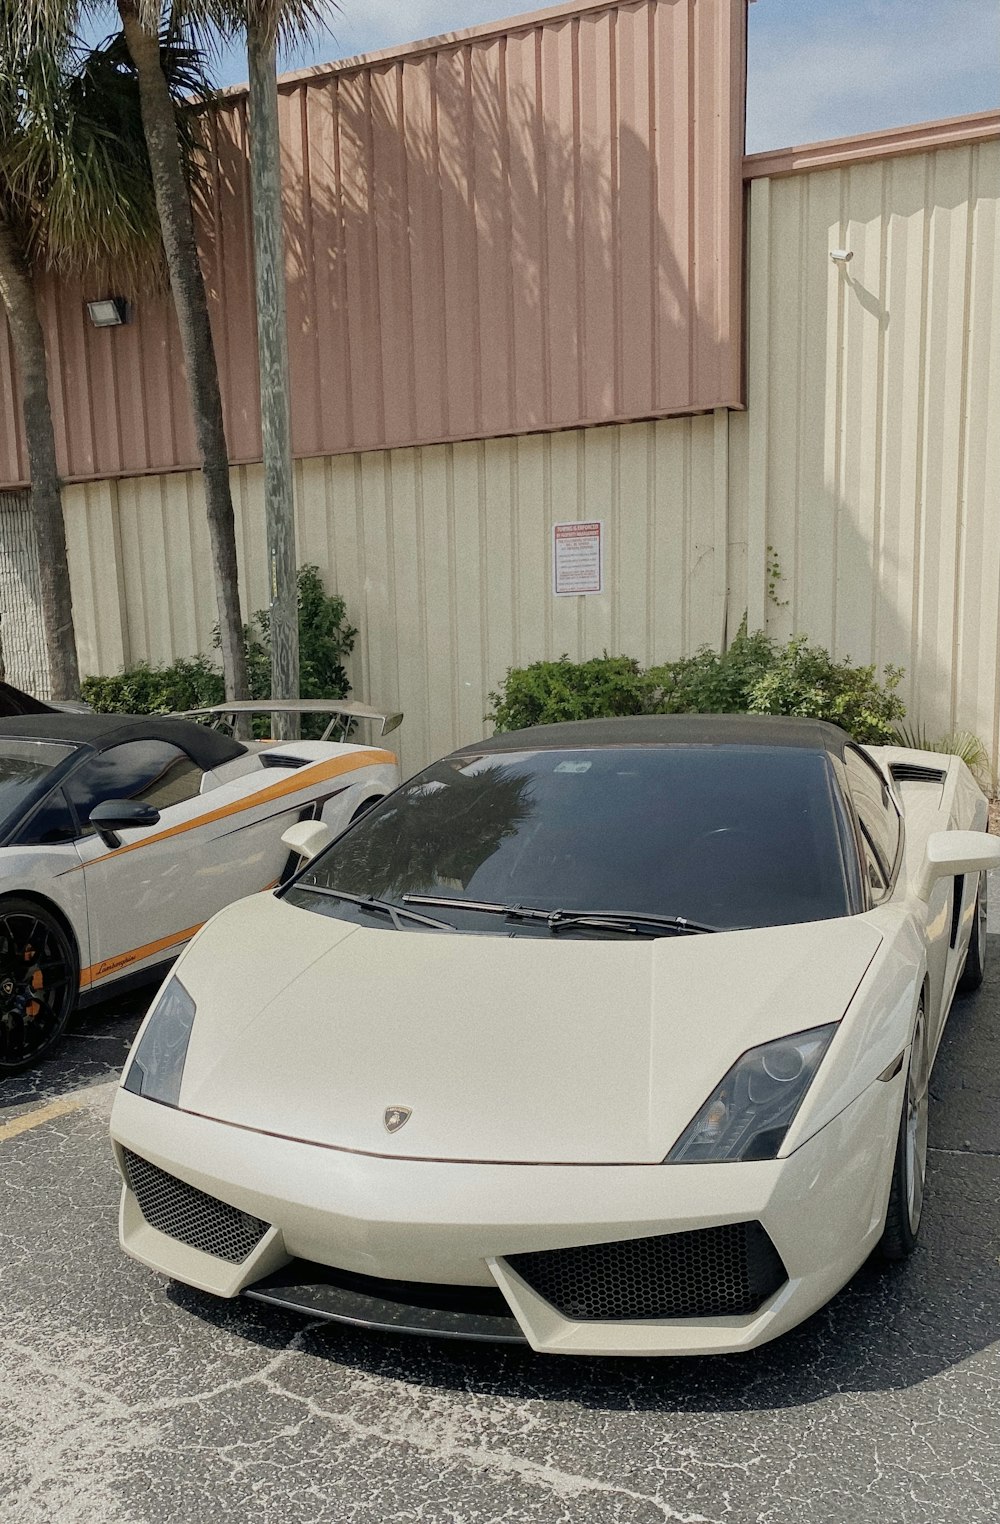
pixel 456 1225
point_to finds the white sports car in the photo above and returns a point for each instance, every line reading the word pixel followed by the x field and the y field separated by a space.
pixel 613 1037
pixel 121 835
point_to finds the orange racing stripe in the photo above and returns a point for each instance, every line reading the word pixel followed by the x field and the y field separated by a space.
pixel 317 772
pixel 125 960
pixel 121 961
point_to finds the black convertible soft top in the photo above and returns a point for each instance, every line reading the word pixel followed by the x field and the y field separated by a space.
pixel 208 748
pixel 671 730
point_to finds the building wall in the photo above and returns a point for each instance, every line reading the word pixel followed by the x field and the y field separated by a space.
pixel 870 454
pixel 23 658
pixel 442 554
pixel 525 226
pixel 867 459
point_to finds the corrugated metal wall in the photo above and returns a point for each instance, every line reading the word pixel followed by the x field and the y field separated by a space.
pixel 443 555
pixel 870 448
pixel 869 458
pixel 534 226
pixel 25 663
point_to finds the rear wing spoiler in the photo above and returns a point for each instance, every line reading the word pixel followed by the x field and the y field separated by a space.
pixel 339 710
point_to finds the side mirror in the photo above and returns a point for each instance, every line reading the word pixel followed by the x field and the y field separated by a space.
pixel 951 852
pixel 307 838
pixel 114 815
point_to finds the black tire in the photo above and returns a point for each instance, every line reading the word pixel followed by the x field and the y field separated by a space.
pixel 974 966
pixel 39 982
pixel 909 1167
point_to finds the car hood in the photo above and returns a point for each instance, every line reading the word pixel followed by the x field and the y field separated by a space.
pixel 504 1049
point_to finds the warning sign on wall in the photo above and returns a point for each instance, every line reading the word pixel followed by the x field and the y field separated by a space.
pixel 578 558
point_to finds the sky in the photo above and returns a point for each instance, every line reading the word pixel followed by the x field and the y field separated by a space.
pixel 817 68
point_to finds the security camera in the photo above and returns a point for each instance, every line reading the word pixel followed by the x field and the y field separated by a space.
pixel 841 256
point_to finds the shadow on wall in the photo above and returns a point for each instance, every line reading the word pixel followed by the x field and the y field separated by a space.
pixel 465 259
pixel 864 451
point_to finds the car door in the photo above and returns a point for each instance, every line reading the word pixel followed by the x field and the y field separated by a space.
pixel 42 858
pixel 148 895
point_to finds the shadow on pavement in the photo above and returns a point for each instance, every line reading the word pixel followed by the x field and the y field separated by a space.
pixel 888 1329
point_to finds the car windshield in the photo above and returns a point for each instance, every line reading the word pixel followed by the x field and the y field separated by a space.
pixel 726 836
pixel 25 767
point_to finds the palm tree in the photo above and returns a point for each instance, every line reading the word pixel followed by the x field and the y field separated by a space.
pixel 264 23
pixel 74 194
pixel 140 20
pixel 150 43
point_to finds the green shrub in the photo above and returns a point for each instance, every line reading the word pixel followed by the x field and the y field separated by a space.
pixel 755 675
pixel 710 682
pixel 805 680
pixel 548 691
pixel 325 639
pixel 188 683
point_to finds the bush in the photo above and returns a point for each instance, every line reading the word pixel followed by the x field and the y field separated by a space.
pixel 754 676
pixel 805 680
pixel 189 683
pixel 325 639
pixel 709 682
pixel 548 691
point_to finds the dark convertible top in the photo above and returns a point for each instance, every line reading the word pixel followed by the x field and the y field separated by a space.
pixel 208 748
pixel 671 730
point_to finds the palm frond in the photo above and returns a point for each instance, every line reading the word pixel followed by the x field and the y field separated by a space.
pixel 74 168
pixel 287 21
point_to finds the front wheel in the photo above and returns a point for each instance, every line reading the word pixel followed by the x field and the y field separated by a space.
pixel 39 979
pixel 906 1193
pixel 974 966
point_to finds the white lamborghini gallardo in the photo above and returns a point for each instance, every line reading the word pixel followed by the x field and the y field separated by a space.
pixel 121 835
pixel 613 1037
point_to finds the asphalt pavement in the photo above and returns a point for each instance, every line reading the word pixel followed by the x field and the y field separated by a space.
pixel 125 1400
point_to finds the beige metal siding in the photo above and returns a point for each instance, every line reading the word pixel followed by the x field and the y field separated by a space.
pixel 871 445
pixel 443 555
pixel 24 662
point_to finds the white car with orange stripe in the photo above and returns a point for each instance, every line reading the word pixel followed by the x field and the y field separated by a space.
pixel 121 835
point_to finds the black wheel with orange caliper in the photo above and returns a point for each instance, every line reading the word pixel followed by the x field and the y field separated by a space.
pixel 39 981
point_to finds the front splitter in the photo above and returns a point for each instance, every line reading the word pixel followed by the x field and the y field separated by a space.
pixel 430 1311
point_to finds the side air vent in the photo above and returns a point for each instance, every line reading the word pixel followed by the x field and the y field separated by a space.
pixel 915 772
pixel 282 759
pixel 191 1216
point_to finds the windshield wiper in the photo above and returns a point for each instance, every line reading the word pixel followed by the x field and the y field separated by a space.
pixel 557 920
pixel 380 907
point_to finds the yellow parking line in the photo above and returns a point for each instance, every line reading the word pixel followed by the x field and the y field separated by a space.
pixel 57 1108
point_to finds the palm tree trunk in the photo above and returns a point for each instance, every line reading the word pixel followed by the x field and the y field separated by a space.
pixel 173 204
pixel 272 342
pixel 18 295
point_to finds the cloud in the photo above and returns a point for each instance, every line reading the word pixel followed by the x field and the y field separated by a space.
pixel 818 71
pixel 817 68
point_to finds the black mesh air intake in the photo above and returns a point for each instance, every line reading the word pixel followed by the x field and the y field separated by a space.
pixel 709 1273
pixel 189 1215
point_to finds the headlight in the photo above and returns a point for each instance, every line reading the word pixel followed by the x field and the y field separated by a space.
pixel 157 1067
pixel 750 1113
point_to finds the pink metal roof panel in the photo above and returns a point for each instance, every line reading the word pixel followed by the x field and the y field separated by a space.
pixel 528 226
